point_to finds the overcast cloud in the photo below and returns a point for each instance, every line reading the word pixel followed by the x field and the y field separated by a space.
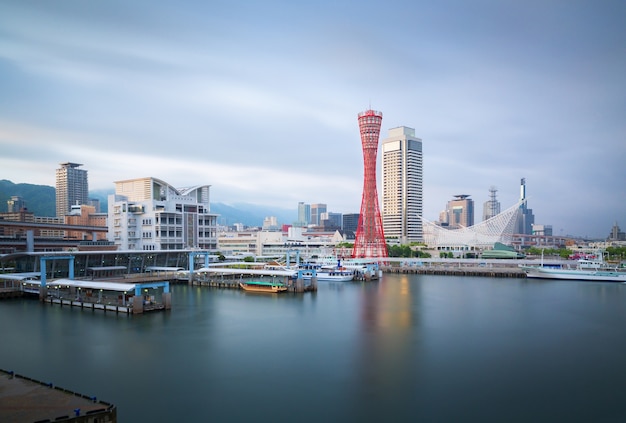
pixel 260 99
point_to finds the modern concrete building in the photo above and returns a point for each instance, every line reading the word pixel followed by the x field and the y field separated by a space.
pixel 542 230
pixel 16 204
pixel 304 215
pixel 150 214
pixel 402 185
pixel 278 243
pixel 350 222
pixel 270 223
pixel 71 187
pixel 85 215
pixel 316 213
pixel 331 221
pixel 460 212
pixel 616 234
pixel 450 237
pixel 526 218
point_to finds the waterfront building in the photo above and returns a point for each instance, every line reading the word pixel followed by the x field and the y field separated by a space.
pixel 316 213
pixel 402 185
pixel 484 235
pixel 240 242
pixel 71 187
pixel 150 214
pixel 491 207
pixel 277 244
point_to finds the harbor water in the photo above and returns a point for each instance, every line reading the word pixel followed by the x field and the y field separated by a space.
pixel 405 348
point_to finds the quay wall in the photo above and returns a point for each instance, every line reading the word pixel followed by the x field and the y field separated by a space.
pixel 494 272
pixel 31 400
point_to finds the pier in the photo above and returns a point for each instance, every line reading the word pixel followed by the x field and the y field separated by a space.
pixel 220 276
pixel 25 399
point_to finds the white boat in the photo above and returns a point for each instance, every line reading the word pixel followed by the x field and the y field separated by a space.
pixel 586 270
pixel 337 274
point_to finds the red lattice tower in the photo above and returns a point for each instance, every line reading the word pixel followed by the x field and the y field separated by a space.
pixel 370 238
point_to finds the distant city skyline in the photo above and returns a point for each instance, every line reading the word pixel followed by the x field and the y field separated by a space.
pixel 264 110
pixel 260 212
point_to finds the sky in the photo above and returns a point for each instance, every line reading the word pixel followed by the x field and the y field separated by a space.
pixel 260 99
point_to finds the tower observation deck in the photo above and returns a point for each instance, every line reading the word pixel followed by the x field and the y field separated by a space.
pixel 370 238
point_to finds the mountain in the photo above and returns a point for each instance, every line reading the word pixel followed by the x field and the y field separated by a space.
pixel 251 214
pixel 41 200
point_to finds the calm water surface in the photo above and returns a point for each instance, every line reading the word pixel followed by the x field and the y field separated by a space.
pixel 406 348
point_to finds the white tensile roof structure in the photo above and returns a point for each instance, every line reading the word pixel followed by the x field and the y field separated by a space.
pixel 499 228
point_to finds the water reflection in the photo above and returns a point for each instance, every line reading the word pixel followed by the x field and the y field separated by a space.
pixel 387 359
pixel 406 348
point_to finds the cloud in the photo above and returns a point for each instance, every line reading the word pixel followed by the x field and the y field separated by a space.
pixel 265 110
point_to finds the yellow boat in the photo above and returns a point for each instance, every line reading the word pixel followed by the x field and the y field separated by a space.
pixel 260 286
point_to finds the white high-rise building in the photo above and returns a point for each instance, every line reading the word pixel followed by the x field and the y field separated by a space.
pixel 149 214
pixel 71 187
pixel 402 185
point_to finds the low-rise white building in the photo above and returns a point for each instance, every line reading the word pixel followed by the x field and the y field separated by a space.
pixel 150 214
pixel 278 243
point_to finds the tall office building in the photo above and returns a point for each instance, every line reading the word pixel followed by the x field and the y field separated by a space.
pixel 526 218
pixel 331 221
pixel 402 185
pixel 460 212
pixel 349 224
pixel 304 215
pixel 316 213
pixel 71 187
pixel 491 208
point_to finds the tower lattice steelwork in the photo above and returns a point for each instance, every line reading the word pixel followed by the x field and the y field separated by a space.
pixel 370 238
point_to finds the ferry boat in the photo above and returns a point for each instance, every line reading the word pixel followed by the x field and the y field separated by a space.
pixel 589 269
pixel 327 272
pixel 330 275
pixel 262 286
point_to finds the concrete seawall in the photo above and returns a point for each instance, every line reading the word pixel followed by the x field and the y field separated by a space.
pixel 493 272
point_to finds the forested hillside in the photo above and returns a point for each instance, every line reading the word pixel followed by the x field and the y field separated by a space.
pixel 40 199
